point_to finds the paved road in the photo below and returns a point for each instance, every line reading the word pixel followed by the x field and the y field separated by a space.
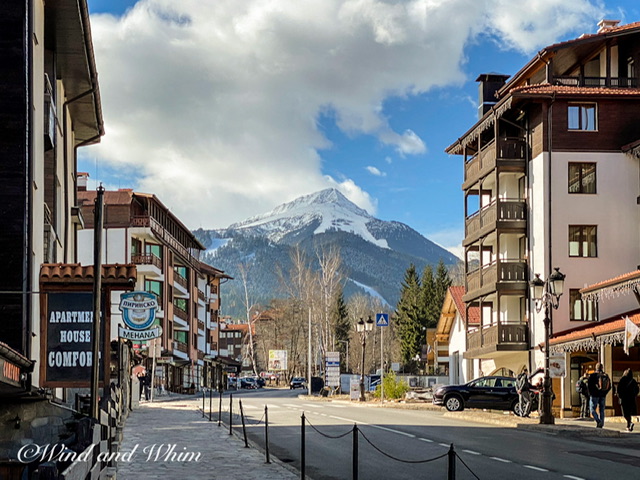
pixel 490 451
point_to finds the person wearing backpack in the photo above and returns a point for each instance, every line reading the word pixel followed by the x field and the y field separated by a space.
pixel 523 388
pixel 583 389
pixel 627 392
pixel 599 386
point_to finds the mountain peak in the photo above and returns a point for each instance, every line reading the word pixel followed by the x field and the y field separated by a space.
pixel 328 196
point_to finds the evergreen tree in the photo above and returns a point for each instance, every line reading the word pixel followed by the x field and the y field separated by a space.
pixel 433 291
pixel 410 316
pixel 342 327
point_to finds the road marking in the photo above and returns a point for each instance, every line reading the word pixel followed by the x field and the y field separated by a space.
pixel 536 468
pixel 291 405
pixel 472 452
pixel 410 435
pixel 572 477
pixel 444 445
pixel 425 440
pixel 343 419
pixel 312 405
pixel 503 460
pixel 337 406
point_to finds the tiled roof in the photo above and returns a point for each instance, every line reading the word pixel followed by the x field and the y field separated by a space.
pixel 111 197
pixel 615 324
pixel 112 274
pixel 612 281
pixel 457 292
pixel 588 36
pixel 9 353
pixel 547 89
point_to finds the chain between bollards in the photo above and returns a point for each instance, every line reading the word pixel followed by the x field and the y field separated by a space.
pixel 302 450
pixel 266 434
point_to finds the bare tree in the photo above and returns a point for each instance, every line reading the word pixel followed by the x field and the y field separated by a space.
pixel 330 282
pixel 244 268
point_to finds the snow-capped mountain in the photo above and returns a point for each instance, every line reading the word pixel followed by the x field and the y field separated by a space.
pixel 375 253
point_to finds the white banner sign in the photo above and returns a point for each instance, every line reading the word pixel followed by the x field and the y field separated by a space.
pixel 139 334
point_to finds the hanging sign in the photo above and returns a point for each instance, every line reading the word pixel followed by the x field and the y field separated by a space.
pixel 138 309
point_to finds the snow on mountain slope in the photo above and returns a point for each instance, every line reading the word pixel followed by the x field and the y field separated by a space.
pixel 328 209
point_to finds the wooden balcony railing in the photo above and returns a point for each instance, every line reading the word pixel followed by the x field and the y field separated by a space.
pixel 200 355
pixel 499 335
pixel 582 81
pixel 180 280
pixel 180 313
pixel 509 270
pixel 147 259
pixel 502 210
pixel 200 325
pixel 201 295
pixel 180 346
pixel 508 148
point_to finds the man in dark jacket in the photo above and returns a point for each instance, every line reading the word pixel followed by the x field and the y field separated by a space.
pixel 523 387
pixel 599 385
pixel 582 387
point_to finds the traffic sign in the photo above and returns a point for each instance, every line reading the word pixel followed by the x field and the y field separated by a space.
pixel 382 319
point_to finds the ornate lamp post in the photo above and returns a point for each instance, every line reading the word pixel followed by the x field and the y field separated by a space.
pixel 363 328
pixel 547 293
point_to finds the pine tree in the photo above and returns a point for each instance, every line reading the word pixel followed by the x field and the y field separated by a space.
pixel 342 327
pixel 434 290
pixel 410 316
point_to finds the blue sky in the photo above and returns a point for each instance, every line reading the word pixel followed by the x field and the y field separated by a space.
pixel 225 109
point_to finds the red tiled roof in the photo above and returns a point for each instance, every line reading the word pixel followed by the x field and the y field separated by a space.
pixel 588 36
pixel 112 274
pixel 457 292
pixel 111 197
pixel 615 324
pixel 547 89
pixel 612 281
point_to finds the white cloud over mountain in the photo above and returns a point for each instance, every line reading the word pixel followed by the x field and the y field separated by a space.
pixel 215 104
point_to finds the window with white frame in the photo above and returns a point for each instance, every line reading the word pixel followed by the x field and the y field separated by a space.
pixel 581 310
pixel 582 177
pixel 583 241
pixel 582 116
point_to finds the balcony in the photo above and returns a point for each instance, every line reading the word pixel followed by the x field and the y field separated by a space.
pixel 582 81
pixel 510 155
pixel 497 338
pixel 180 313
pixel 200 325
pixel 504 275
pixel 50 116
pixel 148 264
pixel 506 215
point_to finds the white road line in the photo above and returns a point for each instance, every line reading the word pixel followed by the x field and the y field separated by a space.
pixel 337 406
pixel 343 419
pixel 290 405
pixel 312 405
pixel 536 468
pixel 393 431
pixel 572 477
pixel 503 460
pixel 444 445
pixel 425 440
pixel 250 407
pixel 471 452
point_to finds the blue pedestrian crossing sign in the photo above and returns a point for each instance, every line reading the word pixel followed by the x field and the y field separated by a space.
pixel 382 319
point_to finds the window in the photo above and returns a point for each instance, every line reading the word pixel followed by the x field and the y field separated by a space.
pixel 180 336
pixel 582 310
pixel 582 116
pixel 583 241
pixel 180 303
pixel 582 177
pixel 153 286
pixel 153 249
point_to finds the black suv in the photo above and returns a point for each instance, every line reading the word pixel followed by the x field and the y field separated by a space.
pixel 498 393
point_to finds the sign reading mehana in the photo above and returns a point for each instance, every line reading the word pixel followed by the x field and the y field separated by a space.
pixel 69 324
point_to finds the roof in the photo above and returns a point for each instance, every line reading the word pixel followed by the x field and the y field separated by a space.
pixel 74 273
pixel 453 303
pixel 547 89
pixel 612 287
pixel 589 336
pixel 213 271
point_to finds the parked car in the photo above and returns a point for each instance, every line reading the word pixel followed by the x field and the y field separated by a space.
pixel 297 382
pixel 497 393
pixel 248 382
pixel 260 381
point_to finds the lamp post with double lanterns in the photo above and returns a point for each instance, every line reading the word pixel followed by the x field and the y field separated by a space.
pixel 547 293
pixel 363 328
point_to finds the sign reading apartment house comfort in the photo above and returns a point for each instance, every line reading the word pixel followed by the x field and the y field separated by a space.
pixel 139 312
pixel 69 325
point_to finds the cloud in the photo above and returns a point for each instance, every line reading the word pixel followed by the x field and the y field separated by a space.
pixel 374 171
pixel 449 239
pixel 215 105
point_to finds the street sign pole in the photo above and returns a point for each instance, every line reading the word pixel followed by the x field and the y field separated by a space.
pixel 382 320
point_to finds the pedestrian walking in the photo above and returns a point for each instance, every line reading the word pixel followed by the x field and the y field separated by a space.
pixel 627 391
pixel 141 381
pixel 147 386
pixel 523 388
pixel 582 387
pixel 599 385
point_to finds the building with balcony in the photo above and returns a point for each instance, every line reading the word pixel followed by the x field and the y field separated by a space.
pixel 549 181
pixel 139 229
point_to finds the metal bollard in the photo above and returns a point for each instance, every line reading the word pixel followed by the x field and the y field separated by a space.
pixel 302 450
pixel 220 410
pixel 451 472
pixel 354 474
pixel 230 414
pixel 266 434
pixel 203 398
pixel 210 400
pixel 244 427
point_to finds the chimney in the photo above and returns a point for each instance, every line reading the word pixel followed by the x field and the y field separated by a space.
pixel 490 83
pixel 604 25
pixel 81 181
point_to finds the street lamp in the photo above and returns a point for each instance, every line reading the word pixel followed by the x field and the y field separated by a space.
pixel 363 328
pixel 547 293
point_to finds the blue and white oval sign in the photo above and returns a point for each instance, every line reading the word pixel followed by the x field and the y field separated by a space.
pixel 138 309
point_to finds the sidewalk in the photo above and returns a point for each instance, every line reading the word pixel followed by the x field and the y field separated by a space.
pixel 169 438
